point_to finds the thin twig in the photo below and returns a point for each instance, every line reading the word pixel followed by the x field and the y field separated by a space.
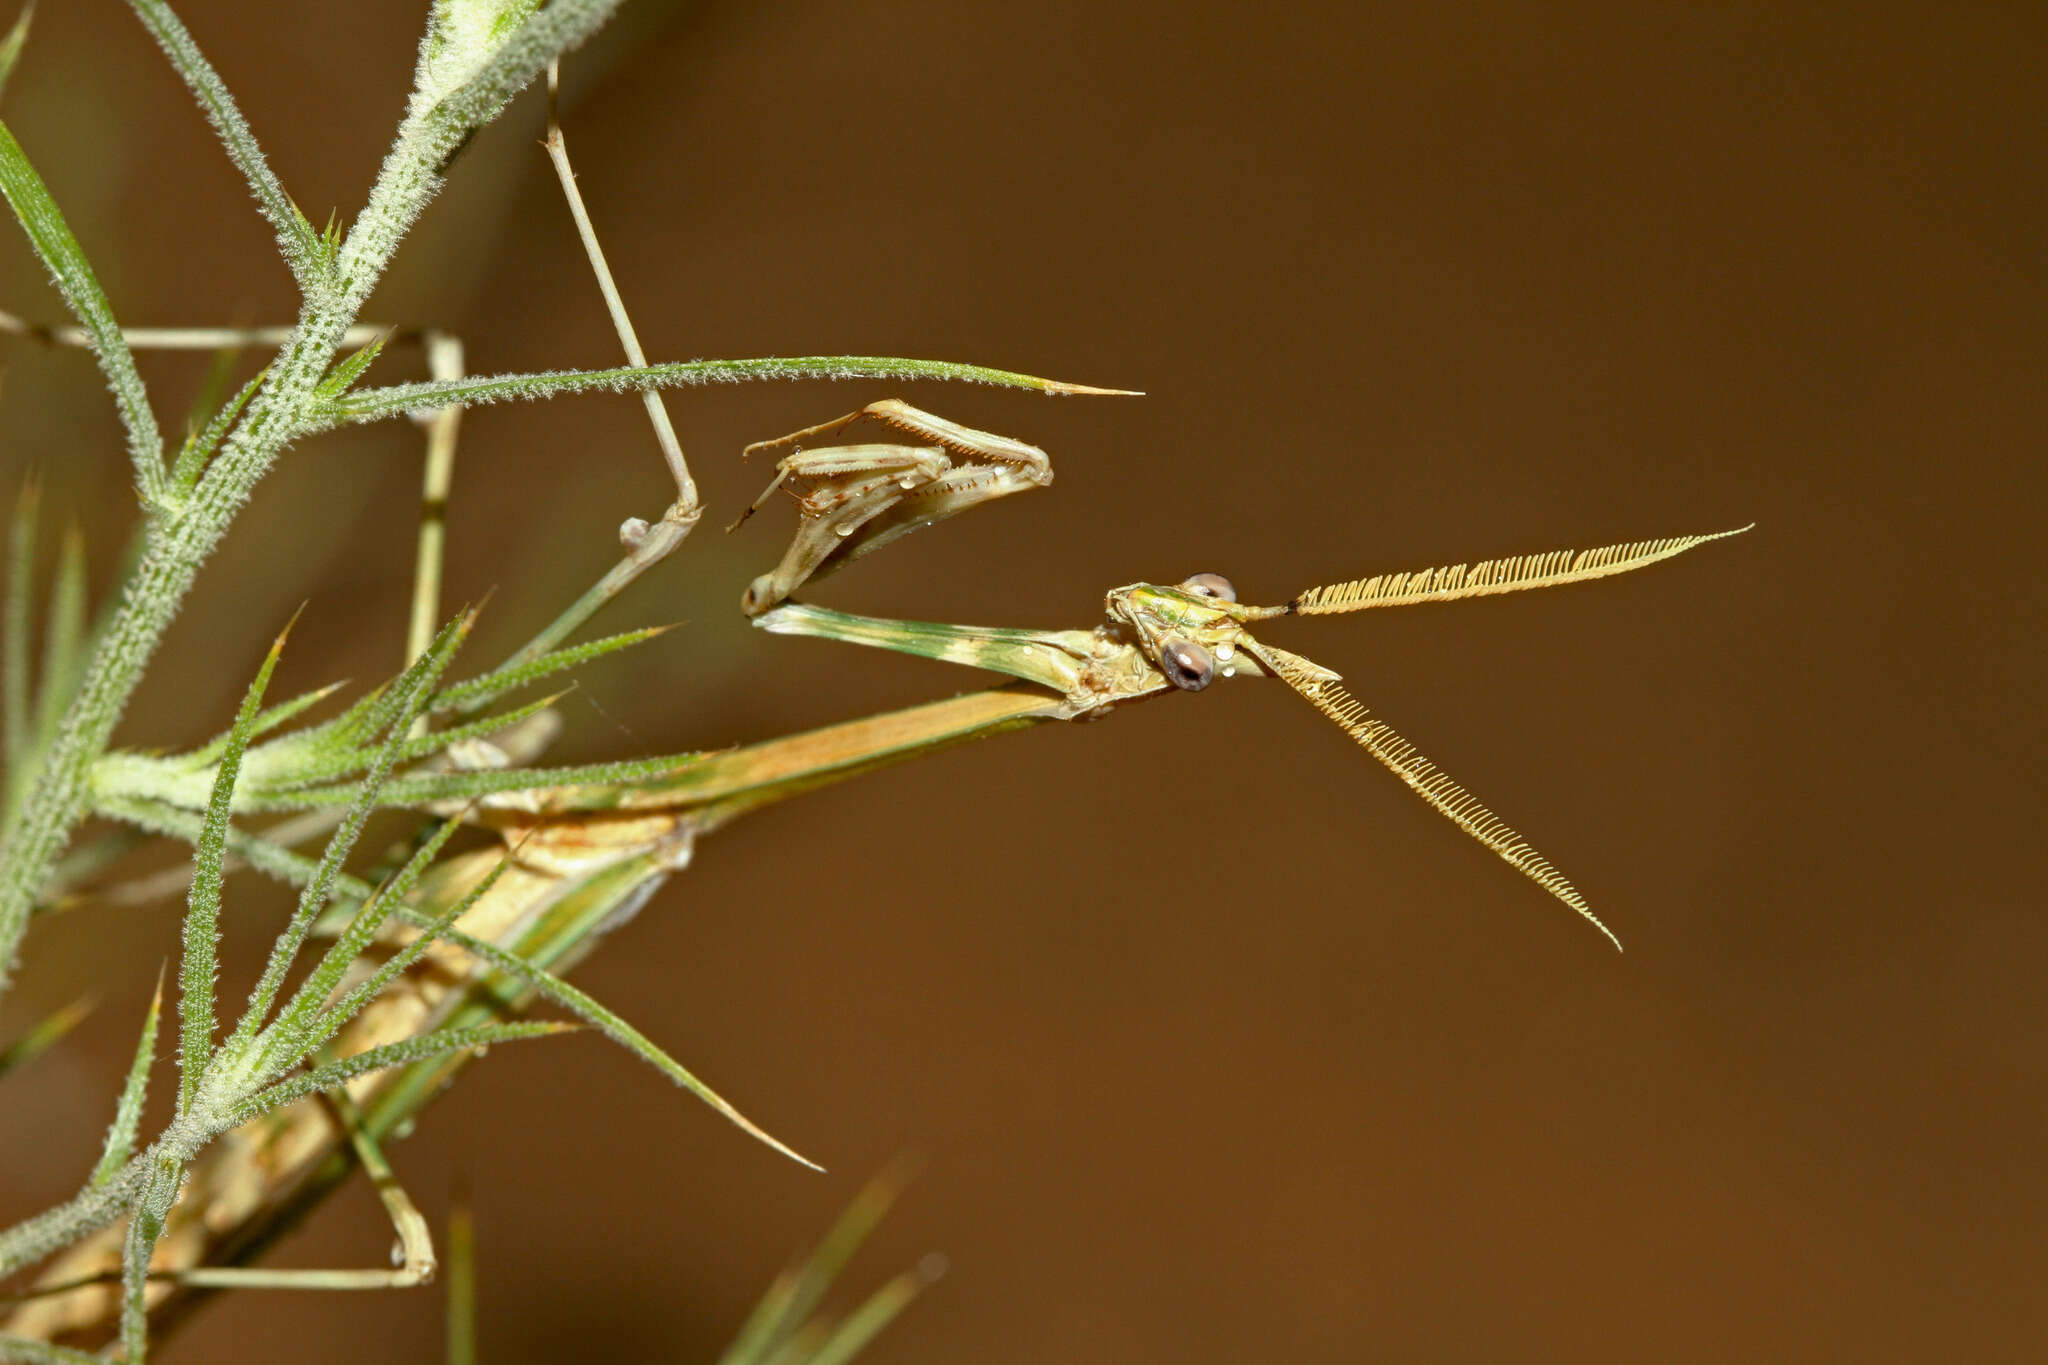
pixel 197 338
pixel 444 362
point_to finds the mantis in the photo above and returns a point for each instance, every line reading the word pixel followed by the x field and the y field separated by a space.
pixel 1159 638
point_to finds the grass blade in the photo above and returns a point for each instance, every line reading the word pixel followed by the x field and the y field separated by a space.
pixel 313 898
pixel 201 444
pixel 613 1027
pixel 422 1048
pixel 66 262
pixel 328 764
pixel 349 369
pixel 63 641
pixel 11 45
pixel 866 1322
pixel 295 236
pixel 370 405
pixel 43 1036
pixel 306 1011
pixel 43 1353
pixel 14 632
pixel 473 694
pixel 461 1283
pixel 267 720
pixel 145 1230
pixel 120 1144
pixel 795 1295
pixel 202 914
pixel 418 789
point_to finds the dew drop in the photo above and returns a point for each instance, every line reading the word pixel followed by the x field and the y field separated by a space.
pixel 397 1252
pixel 842 531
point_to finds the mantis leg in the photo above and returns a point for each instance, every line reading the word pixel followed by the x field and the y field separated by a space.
pixel 856 499
pixel 838 490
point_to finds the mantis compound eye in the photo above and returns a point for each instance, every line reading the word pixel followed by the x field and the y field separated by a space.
pixel 1187 665
pixel 1210 585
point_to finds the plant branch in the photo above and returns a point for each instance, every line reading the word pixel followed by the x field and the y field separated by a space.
pixel 372 405
pixel 296 238
pixel 60 253
pixel 282 411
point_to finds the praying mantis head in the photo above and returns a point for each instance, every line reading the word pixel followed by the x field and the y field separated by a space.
pixel 1191 632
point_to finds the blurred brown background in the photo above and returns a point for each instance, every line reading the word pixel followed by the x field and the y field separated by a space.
pixel 1401 290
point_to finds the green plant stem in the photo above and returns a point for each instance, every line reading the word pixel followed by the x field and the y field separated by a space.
pixel 189 531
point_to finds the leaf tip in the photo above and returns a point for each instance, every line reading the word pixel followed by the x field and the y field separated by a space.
pixel 1061 389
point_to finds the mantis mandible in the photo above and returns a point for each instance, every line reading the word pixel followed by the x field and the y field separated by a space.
pixel 1159 638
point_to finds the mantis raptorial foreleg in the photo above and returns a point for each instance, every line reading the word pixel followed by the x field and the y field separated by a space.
pixel 853 500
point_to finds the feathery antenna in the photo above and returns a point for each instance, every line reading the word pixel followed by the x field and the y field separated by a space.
pixel 1516 574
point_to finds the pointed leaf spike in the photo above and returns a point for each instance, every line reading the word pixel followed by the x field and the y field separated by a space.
pixel 598 1016
pixel 63 639
pixel 10 46
pixel 44 1035
pixel 62 256
pixel 202 913
pixel 347 371
pixel 1517 574
pixel 15 629
pixel 1427 780
pixel 120 1143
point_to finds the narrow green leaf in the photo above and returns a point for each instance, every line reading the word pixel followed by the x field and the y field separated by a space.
pixel 202 913
pixel 14 634
pixel 63 640
pixel 866 1322
pixel 370 405
pixel 270 718
pixel 331 1021
pixel 796 1293
pixel 584 1007
pixel 268 857
pixel 43 1036
pixel 418 789
pixel 472 694
pixel 119 1148
pixel 116 591
pixel 10 46
pixel 348 370
pixel 295 237
pixel 201 444
pixel 27 1352
pixel 86 860
pixel 325 765
pixel 461 1283
pixel 145 1230
pixel 375 712
pixel 66 262
pixel 306 1012
pixel 422 1048
pixel 313 899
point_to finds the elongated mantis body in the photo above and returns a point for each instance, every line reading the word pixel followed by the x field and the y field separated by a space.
pixel 1159 638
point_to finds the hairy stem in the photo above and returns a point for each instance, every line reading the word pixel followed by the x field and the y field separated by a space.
pixel 432 130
